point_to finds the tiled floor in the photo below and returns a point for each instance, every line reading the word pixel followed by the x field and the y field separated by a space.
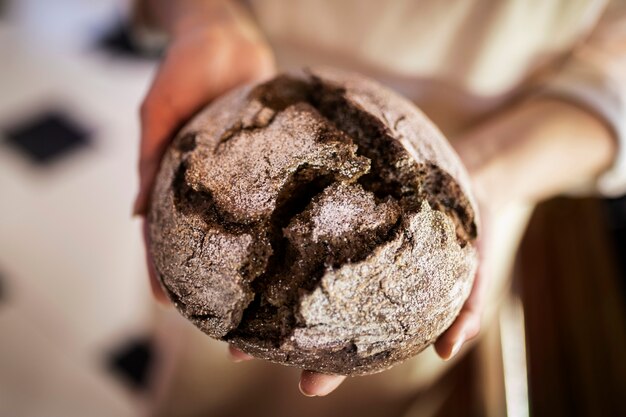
pixel 73 283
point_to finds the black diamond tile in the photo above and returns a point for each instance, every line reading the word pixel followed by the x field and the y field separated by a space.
pixel 46 137
pixel 133 362
pixel 119 41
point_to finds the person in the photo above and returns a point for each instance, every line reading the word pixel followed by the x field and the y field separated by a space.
pixel 531 95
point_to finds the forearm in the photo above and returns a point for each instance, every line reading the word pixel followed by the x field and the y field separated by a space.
pixel 536 150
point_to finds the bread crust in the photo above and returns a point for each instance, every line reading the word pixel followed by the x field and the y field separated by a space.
pixel 316 220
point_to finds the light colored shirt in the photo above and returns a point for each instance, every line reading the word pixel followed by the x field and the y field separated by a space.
pixel 460 60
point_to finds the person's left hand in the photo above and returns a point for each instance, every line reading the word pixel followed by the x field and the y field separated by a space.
pixel 467 324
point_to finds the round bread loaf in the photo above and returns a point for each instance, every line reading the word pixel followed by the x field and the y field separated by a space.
pixel 317 220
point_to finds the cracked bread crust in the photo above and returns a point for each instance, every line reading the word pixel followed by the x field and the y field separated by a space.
pixel 316 220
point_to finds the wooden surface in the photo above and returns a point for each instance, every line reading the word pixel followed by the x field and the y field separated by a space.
pixel 574 311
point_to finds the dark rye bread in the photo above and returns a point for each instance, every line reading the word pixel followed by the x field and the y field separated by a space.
pixel 316 220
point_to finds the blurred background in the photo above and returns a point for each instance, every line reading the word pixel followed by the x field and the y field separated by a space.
pixel 81 336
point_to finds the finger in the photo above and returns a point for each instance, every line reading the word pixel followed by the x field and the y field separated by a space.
pixel 157 289
pixel 314 384
pixel 237 355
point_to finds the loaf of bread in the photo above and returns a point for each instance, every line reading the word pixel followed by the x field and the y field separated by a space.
pixel 317 220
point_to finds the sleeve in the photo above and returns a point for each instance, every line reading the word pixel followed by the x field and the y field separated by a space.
pixel 595 77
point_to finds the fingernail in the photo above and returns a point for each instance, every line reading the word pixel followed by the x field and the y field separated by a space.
pixel 306 394
pixel 457 346
pixel 237 355
pixel 314 384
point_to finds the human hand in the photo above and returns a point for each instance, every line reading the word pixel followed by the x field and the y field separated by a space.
pixel 517 157
pixel 466 326
pixel 199 66
pixel 510 160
